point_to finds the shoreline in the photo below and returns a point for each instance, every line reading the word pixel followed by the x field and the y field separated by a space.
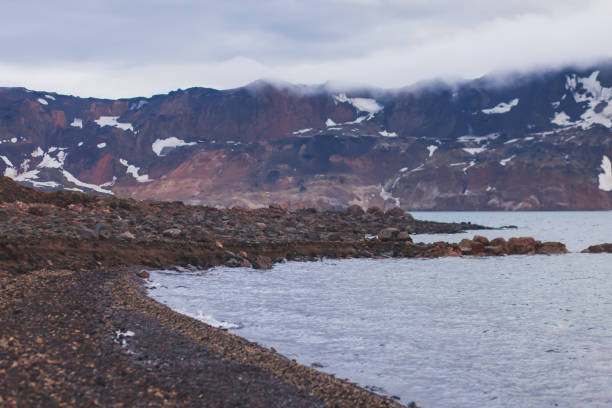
pixel 70 298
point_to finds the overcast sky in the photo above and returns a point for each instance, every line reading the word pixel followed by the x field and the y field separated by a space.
pixel 138 48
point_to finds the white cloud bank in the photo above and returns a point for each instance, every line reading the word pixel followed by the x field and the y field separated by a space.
pixel 379 43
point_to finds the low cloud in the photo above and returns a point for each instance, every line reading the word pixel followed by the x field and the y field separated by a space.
pixel 122 49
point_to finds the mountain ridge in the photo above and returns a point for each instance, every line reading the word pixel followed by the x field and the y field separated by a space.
pixel 537 142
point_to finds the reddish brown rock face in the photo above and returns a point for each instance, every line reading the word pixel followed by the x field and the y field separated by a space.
pixel 432 148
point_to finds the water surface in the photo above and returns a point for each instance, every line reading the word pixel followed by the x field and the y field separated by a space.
pixel 530 331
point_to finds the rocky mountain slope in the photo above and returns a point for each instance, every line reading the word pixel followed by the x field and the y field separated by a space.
pixel 527 142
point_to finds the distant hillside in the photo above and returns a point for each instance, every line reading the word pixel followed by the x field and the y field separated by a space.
pixel 533 142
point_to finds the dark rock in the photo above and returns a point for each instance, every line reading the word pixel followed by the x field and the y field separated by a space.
pixel 262 262
pixel 355 210
pixel 388 234
pixel 598 249
pixel 483 240
pixel 143 274
pixel 521 246
pixel 395 212
pixel 172 232
pixel 551 248
pixel 375 211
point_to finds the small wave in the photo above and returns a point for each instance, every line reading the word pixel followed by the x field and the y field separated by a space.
pixel 210 320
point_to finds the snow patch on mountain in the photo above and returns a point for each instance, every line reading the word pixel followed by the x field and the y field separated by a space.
pixel 596 97
pixel 477 139
pixel 38 152
pixel 6 161
pixel 112 121
pixel 77 122
pixel 605 178
pixel 133 171
pixel 474 150
pixel 53 162
pixel 432 149
pixel 561 119
pixel 50 97
pixel 159 145
pixel 503 107
pixel 368 105
pixel 505 161
pixel 385 133
pixel 302 131
pixel 330 123
pixel 101 145
pixel 140 104
pixel 385 195
pixel 42 101
pixel 76 181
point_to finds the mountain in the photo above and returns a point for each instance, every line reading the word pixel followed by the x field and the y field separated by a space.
pixel 539 141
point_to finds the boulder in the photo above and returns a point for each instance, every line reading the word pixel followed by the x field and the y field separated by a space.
pixel 404 236
pixel 375 211
pixel 261 262
pixel 598 249
pixel 127 235
pixel 143 274
pixel 388 234
pixel 551 248
pixel 521 246
pixel 470 247
pixel 172 232
pixel 483 240
pixel 355 210
pixel 395 212
pixel 494 250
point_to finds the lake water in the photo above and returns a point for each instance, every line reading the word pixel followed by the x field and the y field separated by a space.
pixel 532 331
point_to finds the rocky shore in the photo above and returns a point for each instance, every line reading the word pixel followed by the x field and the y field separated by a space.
pixel 78 330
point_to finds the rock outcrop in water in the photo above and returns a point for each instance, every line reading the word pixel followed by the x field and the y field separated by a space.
pixel 599 249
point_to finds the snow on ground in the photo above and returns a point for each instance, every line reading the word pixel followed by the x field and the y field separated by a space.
pixel 598 100
pixel 172 142
pixel 38 152
pixel 26 175
pixel 502 107
pixel 6 161
pixel 384 133
pixel 561 119
pixel 605 179
pixel 13 140
pixel 477 139
pixel 79 183
pixel 42 101
pixel 368 105
pixel 80 144
pixel 330 122
pixel 469 166
pixel 511 141
pixel 302 131
pixel 474 150
pixel 101 145
pixel 112 121
pixel 140 104
pixel 133 171
pixel 53 162
pixel 432 149
pixel 385 195
pixel 357 121
pixel 421 167
pixel 77 122
pixel 50 97
pixel 505 161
